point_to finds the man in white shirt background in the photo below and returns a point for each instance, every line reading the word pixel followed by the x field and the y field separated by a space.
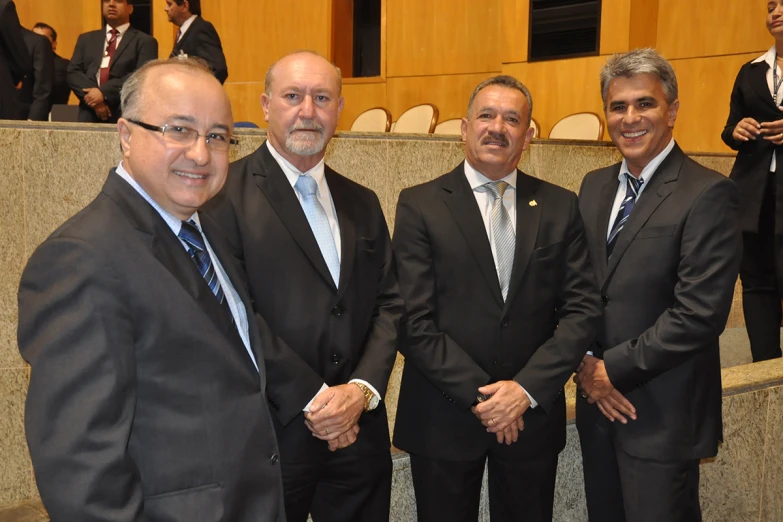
pixel 196 37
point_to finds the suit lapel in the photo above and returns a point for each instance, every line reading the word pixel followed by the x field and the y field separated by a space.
pixel 659 189
pixel 462 203
pixel 758 79
pixel 180 44
pixel 269 177
pixel 528 218
pixel 606 201
pixel 347 225
pixel 127 38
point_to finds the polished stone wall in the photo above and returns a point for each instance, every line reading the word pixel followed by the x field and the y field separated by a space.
pixel 49 172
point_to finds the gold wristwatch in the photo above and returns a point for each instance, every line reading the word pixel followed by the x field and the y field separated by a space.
pixel 370 400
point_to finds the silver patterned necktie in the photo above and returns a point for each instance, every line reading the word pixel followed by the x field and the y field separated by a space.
pixel 319 223
pixel 503 236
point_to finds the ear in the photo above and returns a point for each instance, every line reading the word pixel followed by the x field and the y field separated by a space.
pixel 464 129
pixel 340 106
pixel 673 109
pixel 130 9
pixel 124 128
pixel 528 137
pixel 265 106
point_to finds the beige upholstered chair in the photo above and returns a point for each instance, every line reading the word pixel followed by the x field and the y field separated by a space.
pixel 451 127
pixel 419 119
pixel 579 126
pixel 536 128
pixel 393 124
pixel 377 119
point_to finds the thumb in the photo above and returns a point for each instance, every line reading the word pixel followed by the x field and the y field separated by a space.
pixel 321 400
pixel 490 389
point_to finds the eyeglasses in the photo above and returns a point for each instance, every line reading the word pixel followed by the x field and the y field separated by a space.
pixel 185 136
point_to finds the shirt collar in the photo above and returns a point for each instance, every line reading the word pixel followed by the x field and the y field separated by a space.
pixel 768 57
pixel 477 179
pixel 651 167
pixel 291 172
pixel 186 25
pixel 121 29
pixel 174 223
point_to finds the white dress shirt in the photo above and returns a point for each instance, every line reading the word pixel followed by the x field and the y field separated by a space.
pixel 232 298
pixel 484 199
pixel 645 176
pixel 325 198
pixel 121 30
pixel 769 58
pixel 185 26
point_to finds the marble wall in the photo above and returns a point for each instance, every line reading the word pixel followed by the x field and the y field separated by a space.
pixel 49 172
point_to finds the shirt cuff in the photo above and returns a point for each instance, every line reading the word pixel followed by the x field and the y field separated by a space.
pixel 533 402
pixel 324 387
pixel 590 353
pixel 370 386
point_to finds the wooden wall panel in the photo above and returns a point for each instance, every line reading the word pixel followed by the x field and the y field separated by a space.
pixel 643 30
pixel 246 101
pixel 69 19
pixel 705 88
pixel 256 33
pixel 515 27
pixel 689 29
pixel 450 93
pixel 164 31
pixel 615 21
pixel 560 88
pixel 358 98
pixel 436 37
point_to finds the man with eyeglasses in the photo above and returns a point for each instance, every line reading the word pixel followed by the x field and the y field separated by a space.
pixel 147 392
pixel 318 257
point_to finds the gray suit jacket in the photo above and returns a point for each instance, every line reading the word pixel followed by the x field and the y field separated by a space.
pixel 667 290
pixel 143 404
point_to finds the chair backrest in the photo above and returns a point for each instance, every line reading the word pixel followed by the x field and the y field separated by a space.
pixel 451 127
pixel 579 126
pixel 62 112
pixel 377 119
pixel 245 125
pixel 536 127
pixel 419 119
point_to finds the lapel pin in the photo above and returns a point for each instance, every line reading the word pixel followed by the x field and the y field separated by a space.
pixel 533 203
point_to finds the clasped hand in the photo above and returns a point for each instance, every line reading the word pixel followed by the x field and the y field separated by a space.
pixel 502 412
pixel 749 129
pixel 334 415
pixel 593 384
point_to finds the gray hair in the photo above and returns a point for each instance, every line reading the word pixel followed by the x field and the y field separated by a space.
pixel 503 80
pixel 270 71
pixel 636 62
pixel 131 95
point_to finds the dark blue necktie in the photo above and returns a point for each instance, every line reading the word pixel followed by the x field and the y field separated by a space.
pixel 197 249
pixel 632 187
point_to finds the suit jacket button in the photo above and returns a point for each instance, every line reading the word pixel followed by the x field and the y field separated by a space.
pixel 337 311
pixel 274 459
pixel 504 322
pixel 335 358
pixel 604 299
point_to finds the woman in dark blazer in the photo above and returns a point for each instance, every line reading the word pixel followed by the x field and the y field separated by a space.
pixel 755 130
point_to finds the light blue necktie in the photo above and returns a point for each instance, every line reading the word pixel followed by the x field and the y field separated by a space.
pixel 319 223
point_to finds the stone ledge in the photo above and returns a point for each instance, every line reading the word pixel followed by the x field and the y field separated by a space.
pixel 30 511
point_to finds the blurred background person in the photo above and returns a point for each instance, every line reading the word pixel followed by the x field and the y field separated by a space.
pixel 36 91
pixel 755 129
pixel 60 91
pixel 14 61
pixel 196 36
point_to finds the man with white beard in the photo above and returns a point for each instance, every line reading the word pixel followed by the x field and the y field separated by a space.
pixel 318 258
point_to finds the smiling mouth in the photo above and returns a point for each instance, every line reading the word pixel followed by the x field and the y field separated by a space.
pixel 190 175
pixel 634 135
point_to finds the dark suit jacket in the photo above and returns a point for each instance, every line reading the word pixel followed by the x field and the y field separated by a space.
pixel 37 87
pixel 667 291
pixel 201 40
pixel 460 333
pixel 61 92
pixel 135 49
pixel 15 61
pixel 751 98
pixel 332 334
pixel 143 404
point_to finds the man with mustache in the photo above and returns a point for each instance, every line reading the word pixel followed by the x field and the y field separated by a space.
pixel 318 258
pixel 500 304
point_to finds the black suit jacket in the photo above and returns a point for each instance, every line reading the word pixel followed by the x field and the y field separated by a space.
pixel 332 334
pixel 61 92
pixel 201 40
pixel 667 290
pixel 751 98
pixel 460 335
pixel 15 61
pixel 135 49
pixel 143 402
pixel 37 87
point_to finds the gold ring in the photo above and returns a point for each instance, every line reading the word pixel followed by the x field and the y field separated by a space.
pixel 493 422
pixel 584 395
pixel 326 430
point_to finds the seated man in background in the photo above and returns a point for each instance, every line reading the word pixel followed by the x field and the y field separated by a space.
pixel 104 59
pixel 196 36
pixel 147 393
pixel 60 91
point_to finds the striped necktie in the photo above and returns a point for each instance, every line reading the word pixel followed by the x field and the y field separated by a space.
pixel 197 249
pixel 503 236
pixel 632 187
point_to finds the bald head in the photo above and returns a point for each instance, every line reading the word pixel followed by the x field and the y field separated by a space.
pixel 303 60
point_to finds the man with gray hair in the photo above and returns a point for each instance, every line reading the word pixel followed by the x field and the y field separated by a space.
pixel 318 258
pixel 664 239
pixel 500 302
pixel 147 395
